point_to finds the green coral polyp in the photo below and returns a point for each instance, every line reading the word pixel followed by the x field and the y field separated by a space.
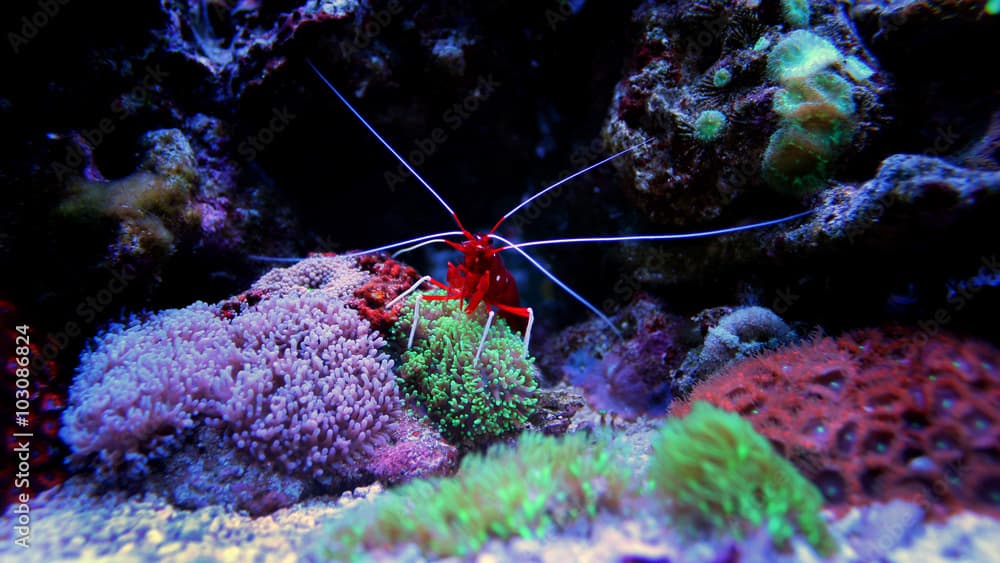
pixel 796 12
pixel 542 484
pixel 709 125
pixel 799 55
pixel 710 467
pixel 471 403
pixel 798 159
pixel 825 97
pixel 721 77
pixel 714 468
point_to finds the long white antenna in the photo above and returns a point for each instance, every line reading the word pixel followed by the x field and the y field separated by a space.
pixel 559 282
pixel 567 179
pixel 424 239
pixel 676 236
pixel 386 144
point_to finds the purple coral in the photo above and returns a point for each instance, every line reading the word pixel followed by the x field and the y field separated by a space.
pixel 633 378
pixel 333 275
pixel 297 381
pixel 145 381
pixel 316 391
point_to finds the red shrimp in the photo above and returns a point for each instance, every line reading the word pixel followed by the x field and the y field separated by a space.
pixel 482 277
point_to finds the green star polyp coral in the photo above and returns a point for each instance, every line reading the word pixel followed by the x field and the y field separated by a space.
pixel 471 402
pixel 715 469
pixel 541 485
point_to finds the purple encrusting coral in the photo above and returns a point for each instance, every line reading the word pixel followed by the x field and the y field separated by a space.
pixel 297 381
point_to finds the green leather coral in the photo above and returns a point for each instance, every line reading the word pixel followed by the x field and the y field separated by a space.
pixel 715 468
pixel 816 106
pixel 799 55
pixel 542 484
pixel 472 403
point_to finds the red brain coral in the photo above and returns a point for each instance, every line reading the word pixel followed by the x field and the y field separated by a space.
pixel 875 415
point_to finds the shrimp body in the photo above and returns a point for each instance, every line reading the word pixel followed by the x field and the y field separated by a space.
pixel 483 278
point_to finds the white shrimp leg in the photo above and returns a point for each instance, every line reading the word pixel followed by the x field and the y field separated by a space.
pixel 413 325
pixel 412 288
pixel 482 341
pixel 527 330
pixel 416 308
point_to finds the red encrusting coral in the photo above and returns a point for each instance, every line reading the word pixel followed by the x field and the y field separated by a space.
pixel 878 414
pixel 388 279
pixel 231 308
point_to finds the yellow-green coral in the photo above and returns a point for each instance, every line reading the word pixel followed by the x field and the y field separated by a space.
pixel 709 468
pixel 542 484
pixel 816 105
pixel 799 55
pixel 471 402
pixel 151 205
pixel 715 469
pixel 721 78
